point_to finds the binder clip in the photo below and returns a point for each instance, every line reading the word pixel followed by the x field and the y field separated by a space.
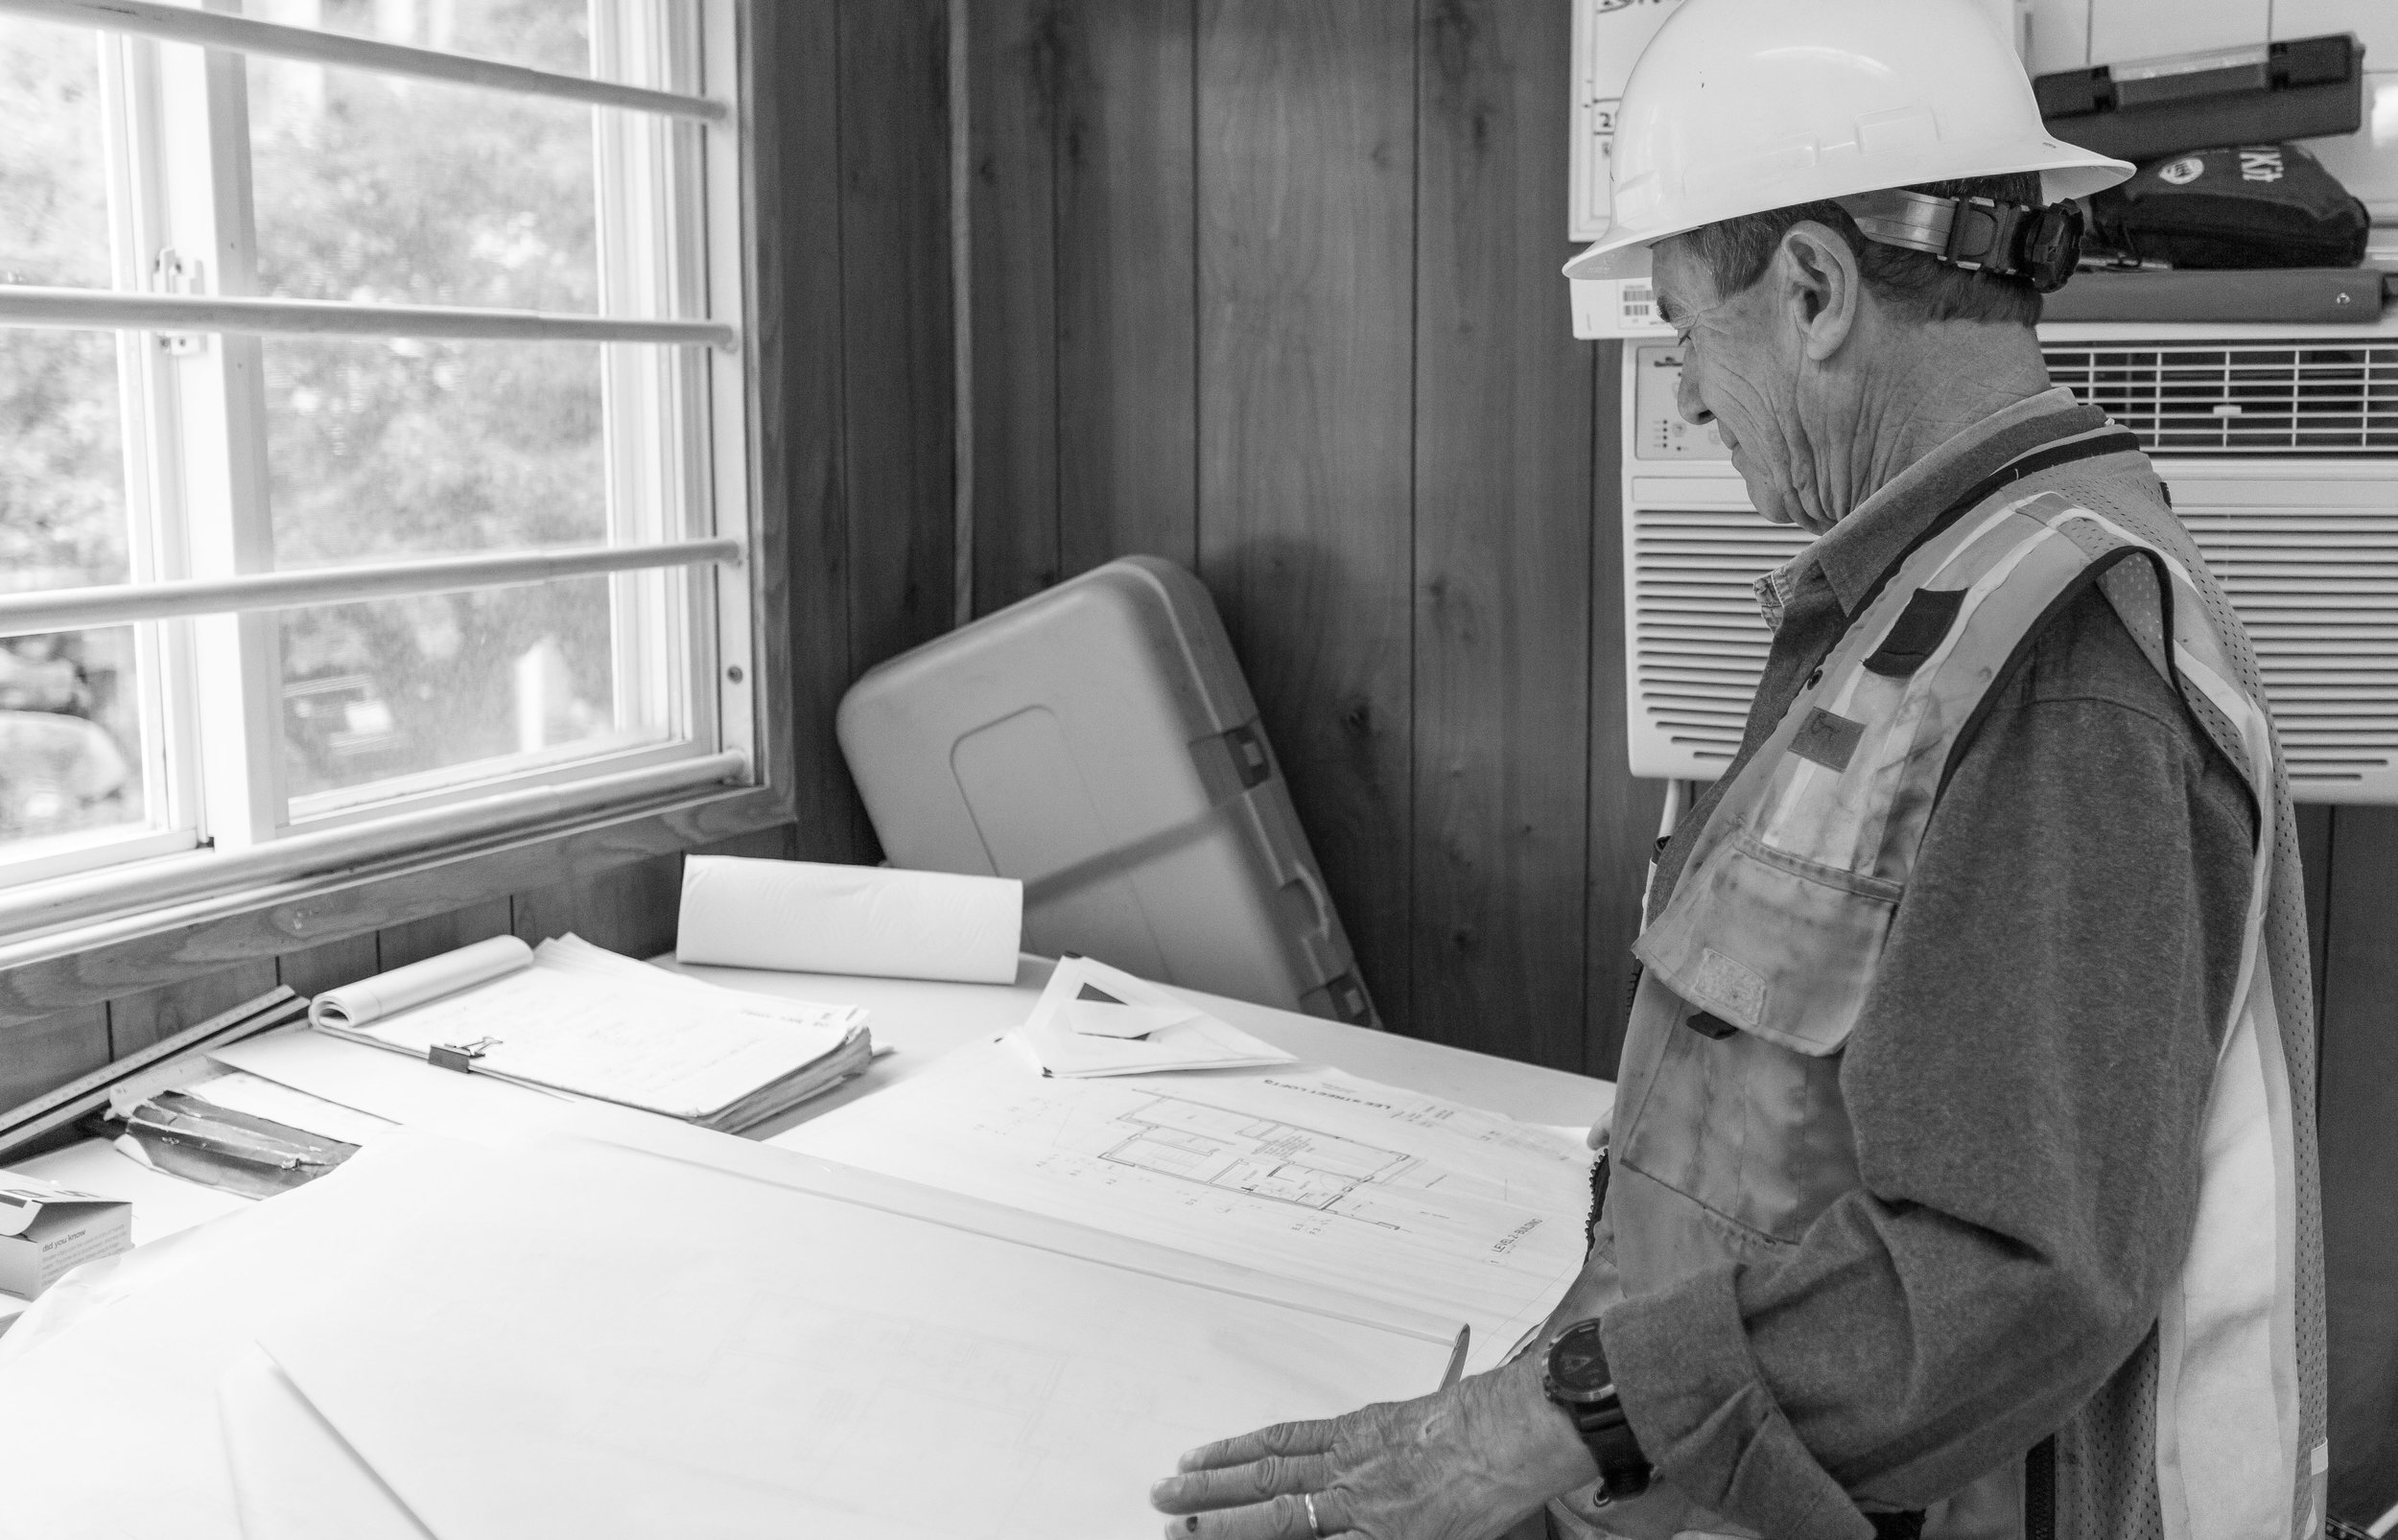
pixel 460 1057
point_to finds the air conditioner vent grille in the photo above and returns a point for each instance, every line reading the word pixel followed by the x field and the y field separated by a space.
pixel 1699 645
pixel 2324 623
pixel 2226 398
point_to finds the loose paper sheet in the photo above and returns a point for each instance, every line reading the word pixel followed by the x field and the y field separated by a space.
pixel 1083 991
pixel 370 999
pixel 1301 1171
pixel 293 1479
pixel 812 917
pixel 753 1359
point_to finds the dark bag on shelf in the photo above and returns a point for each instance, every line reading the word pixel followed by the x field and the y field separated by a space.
pixel 2239 206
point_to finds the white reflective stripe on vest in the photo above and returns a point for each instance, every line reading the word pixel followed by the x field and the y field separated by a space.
pixel 2230 1344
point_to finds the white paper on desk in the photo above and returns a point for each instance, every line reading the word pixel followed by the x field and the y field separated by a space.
pixel 577 955
pixel 88 1462
pixel 411 1093
pixel 1187 1038
pixel 239 1090
pixel 294 1477
pixel 1104 1019
pixel 369 999
pixel 1303 1171
pixel 762 1362
pixel 637 1035
pixel 810 917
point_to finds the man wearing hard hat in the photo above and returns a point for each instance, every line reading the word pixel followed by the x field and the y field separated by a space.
pixel 1962 1180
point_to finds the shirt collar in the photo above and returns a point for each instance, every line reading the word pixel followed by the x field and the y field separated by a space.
pixel 1853 553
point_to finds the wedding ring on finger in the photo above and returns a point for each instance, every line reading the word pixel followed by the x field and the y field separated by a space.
pixel 1313 1527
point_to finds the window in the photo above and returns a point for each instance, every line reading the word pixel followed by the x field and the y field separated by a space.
pixel 371 430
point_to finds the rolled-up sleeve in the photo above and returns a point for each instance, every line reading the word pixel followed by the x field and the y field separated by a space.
pixel 2027 1084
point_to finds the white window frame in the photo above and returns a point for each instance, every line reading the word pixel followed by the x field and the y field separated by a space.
pixel 202 587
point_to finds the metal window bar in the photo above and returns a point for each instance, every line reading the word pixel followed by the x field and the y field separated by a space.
pixel 76 609
pixel 222 877
pixel 209 29
pixel 104 308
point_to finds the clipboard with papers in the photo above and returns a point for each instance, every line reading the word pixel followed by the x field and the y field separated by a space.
pixel 574 1017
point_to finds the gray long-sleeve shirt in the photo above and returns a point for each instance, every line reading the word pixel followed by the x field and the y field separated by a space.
pixel 2026 1081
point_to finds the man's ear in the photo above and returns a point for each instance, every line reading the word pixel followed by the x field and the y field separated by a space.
pixel 1821 285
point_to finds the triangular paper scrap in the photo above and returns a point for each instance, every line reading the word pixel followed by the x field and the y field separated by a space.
pixel 1116 1020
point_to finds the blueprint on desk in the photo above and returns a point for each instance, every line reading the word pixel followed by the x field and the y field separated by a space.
pixel 1295 1170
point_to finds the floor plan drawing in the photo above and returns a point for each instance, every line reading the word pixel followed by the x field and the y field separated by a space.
pixel 1259 1156
pixel 1293 1171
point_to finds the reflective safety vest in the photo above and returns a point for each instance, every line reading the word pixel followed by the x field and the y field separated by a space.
pixel 1772 937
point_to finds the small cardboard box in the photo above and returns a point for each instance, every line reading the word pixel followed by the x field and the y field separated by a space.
pixel 47 1230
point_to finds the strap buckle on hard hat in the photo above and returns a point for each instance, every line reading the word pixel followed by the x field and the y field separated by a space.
pixel 2025 240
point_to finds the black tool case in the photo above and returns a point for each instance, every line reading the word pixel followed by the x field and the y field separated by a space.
pixel 2266 93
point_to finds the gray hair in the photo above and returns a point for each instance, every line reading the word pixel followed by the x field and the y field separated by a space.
pixel 1916 285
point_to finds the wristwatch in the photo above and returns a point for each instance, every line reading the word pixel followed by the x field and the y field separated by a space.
pixel 1576 1378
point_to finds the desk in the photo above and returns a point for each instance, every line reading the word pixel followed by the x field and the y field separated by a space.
pixel 917 1020
pixel 71 1418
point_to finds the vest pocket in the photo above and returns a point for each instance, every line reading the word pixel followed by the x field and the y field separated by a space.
pixel 1779 946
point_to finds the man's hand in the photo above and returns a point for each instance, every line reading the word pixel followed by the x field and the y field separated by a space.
pixel 1463 1464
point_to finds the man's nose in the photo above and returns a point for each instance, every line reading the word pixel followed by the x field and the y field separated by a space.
pixel 1687 401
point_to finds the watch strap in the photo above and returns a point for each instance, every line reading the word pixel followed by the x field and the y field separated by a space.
pixel 1624 1471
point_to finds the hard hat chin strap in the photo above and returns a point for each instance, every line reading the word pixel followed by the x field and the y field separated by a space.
pixel 2026 241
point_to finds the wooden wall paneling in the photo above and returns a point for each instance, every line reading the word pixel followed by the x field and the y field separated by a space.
pixel 896 348
pixel 1502 625
pixel 1127 326
pixel 629 909
pixel 765 845
pixel 1306 237
pixel 796 181
pixel 1624 812
pixel 139 1021
pixel 43 1053
pixel 417 940
pixel 1014 51
pixel 312 970
pixel 2359 1087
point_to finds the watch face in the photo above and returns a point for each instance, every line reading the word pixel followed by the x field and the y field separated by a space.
pixel 1577 1364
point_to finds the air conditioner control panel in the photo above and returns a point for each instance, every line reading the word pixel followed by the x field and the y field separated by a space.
pixel 1659 431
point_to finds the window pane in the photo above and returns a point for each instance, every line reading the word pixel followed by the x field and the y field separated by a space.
pixel 54 205
pixel 61 462
pixel 376 187
pixel 554 35
pixel 400 687
pixel 382 449
pixel 71 756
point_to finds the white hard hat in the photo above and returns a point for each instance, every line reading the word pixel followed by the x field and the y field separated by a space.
pixel 1738 107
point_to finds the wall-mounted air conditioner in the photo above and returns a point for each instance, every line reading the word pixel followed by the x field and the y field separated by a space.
pixel 2281 449
pixel 2282 453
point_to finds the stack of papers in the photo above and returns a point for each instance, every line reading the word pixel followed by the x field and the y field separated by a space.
pixel 1094 1020
pixel 576 1018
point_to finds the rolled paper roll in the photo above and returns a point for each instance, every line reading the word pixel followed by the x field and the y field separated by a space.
pixel 354 1005
pixel 807 917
